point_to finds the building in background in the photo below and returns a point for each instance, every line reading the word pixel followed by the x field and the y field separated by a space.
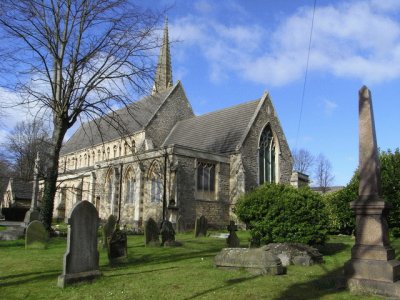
pixel 155 158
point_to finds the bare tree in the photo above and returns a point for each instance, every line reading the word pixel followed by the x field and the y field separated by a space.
pixel 303 160
pixel 5 167
pixel 23 143
pixel 323 173
pixel 75 58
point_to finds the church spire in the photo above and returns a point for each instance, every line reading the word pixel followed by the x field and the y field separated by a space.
pixel 163 79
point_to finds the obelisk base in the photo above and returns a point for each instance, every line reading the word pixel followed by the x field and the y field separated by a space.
pixel 366 286
pixel 372 268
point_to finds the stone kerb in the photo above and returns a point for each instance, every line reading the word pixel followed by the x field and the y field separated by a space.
pixel 36 236
pixel 81 259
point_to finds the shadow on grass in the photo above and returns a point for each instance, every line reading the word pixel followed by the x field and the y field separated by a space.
pixel 29 277
pixel 15 243
pixel 137 273
pixel 330 282
pixel 332 248
pixel 228 283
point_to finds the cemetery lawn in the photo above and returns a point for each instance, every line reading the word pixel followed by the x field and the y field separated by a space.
pixel 186 272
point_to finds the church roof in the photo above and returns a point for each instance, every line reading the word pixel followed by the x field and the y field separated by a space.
pixel 218 132
pixel 22 189
pixel 122 122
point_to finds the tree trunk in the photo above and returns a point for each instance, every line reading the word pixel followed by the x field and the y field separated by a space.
pixel 50 185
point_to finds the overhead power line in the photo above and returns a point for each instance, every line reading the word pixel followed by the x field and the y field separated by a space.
pixel 305 75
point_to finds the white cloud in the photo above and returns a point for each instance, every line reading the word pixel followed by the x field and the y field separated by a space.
pixel 11 113
pixel 204 7
pixel 351 40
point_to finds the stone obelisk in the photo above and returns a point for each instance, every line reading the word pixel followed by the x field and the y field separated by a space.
pixel 33 213
pixel 372 267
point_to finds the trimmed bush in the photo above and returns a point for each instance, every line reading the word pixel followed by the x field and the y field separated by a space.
pixel 341 217
pixel 280 213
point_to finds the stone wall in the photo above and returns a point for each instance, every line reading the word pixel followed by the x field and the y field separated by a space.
pixel 190 208
pixel 249 149
pixel 175 108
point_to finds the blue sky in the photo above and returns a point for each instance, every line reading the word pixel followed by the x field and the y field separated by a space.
pixel 230 52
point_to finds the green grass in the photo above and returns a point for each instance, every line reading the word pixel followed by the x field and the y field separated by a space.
pixel 169 273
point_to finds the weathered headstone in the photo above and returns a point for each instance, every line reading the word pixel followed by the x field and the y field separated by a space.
pixel 201 227
pixel 36 236
pixel 372 267
pixel 108 229
pixel 180 225
pixel 232 241
pixel 258 261
pixel 81 260
pixel 118 246
pixel 151 233
pixel 168 235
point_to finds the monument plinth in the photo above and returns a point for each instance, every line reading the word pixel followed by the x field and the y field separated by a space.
pixel 372 267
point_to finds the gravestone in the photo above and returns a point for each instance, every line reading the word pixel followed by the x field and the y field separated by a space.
pixel 258 261
pixel 372 267
pixel 168 235
pixel 36 236
pixel 180 225
pixel 201 227
pixel 117 246
pixel 81 260
pixel 108 229
pixel 151 233
pixel 232 241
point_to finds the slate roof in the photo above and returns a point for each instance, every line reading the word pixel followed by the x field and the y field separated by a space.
pixel 122 122
pixel 217 132
pixel 22 189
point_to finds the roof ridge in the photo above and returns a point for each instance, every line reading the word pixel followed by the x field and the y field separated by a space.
pixel 222 109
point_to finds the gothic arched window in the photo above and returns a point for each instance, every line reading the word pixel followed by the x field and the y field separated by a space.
pixel 130 186
pixel 156 185
pixel 267 156
pixel 109 186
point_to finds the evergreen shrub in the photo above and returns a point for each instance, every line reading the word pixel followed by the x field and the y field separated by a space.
pixel 281 213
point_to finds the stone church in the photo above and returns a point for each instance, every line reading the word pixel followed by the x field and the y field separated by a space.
pixel 155 158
